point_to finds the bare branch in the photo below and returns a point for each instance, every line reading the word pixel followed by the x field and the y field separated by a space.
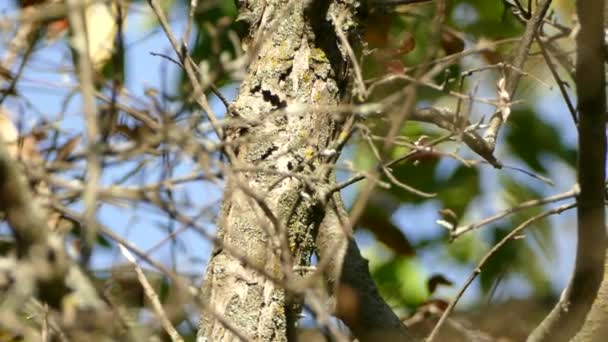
pixel 85 73
pixel 511 236
pixel 152 296
pixel 459 231
pixel 521 56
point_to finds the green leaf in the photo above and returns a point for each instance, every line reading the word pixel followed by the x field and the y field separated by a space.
pixel 402 282
pixel 466 249
pixel 490 19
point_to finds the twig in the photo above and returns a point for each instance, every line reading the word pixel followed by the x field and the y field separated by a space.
pixel 525 205
pixel 446 120
pixel 518 62
pixel 44 333
pixel 392 177
pixel 191 13
pixel 85 72
pixel 407 156
pixel 557 78
pixel 513 234
pixel 361 92
pixel 181 52
pixel 428 84
pixel 152 296
pixel 10 89
pixel 213 88
pixel 21 40
pixel 502 65
pixel 541 178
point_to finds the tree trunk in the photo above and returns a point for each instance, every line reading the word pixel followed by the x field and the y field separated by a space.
pixel 270 210
pixel 568 316
pixel 356 300
pixel 595 328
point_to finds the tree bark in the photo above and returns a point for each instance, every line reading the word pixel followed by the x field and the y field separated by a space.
pixel 269 213
pixel 355 298
pixel 565 320
pixel 595 328
pixel 276 214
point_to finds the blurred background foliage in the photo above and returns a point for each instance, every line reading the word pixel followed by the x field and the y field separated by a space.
pixel 534 140
pixel 407 249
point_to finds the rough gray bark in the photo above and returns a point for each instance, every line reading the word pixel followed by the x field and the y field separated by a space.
pixel 355 297
pixel 595 328
pixel 568 316
pixel 267 215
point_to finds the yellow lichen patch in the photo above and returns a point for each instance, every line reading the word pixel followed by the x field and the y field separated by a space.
pixel 309 152
pixel 319 55
pixel 306 77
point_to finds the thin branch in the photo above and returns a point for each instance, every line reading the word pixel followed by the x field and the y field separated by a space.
pixel 518 62
pixel 512 235
pixel 385 170
pixel 85 73
pixel 360 89
pixel 152 296
pixel 187 62
pixel 411 154
pixel 503 66
pixel 557 78
pixel 459 231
